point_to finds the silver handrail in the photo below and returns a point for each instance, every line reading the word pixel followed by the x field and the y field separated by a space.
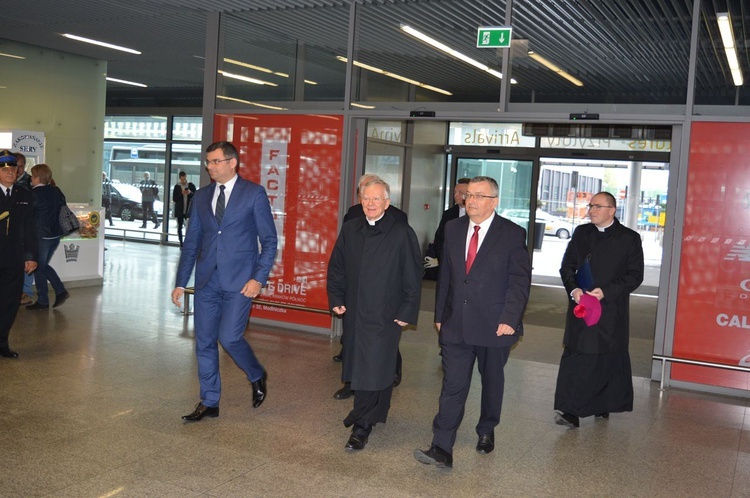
pixel 664 359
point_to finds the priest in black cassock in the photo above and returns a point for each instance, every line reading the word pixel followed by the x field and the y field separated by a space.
pixel 595 377
pixel 374 282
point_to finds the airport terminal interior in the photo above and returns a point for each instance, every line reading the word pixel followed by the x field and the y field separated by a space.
pixel 92 408
pixel 643 99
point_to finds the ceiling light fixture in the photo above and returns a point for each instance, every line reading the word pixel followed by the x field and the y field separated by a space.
pixel 246 78
pixel 396 76
pixel 11 56
pixel 730 47
pixel 362 106
pixel 101 43
pixel 265 106
pixel 564 74
pixel 126 82
pixel 453 53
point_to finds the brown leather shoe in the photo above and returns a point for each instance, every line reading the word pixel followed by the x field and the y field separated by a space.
pixel 26 299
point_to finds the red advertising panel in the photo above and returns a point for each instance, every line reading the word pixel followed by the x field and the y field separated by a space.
pixel 297 158
pixel 713 301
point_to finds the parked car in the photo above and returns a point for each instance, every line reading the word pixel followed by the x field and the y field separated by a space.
pixel 126 202
pixel 553 225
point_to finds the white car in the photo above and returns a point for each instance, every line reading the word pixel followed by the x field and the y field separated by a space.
pixel 553 225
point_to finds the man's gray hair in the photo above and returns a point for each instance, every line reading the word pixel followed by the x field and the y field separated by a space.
pixel 493 184
pixel 376 180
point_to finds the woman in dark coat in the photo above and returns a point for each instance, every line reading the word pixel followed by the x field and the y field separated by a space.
pixel 47 202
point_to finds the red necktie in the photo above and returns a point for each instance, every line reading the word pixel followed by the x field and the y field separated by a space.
pixel 473 245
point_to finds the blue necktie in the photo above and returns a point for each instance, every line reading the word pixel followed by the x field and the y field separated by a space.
pixel 220 204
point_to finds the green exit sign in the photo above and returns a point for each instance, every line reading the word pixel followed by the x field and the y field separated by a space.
pixel 494 37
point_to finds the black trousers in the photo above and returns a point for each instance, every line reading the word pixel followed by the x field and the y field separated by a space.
pixel 458 367
pixel 11 286
pixel 370 408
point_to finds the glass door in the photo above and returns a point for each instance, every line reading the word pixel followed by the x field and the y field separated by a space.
pixel 514 179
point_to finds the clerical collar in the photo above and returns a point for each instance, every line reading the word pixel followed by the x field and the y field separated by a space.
pixel 601 229
pixel 372 223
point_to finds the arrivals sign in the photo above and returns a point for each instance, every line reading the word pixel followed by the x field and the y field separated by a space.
pixel 489 135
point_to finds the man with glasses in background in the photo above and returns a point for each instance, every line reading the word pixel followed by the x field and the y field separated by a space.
pixel 595 376
pixel 18 246
pixel 482 290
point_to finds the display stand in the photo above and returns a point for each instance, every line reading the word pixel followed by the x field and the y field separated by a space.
pixel 79 259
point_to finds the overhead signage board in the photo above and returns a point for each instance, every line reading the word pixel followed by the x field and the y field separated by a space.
pixel 494 37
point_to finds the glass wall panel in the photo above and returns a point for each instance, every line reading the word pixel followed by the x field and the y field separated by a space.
pixel 609 51
pixel 722 76
pixel 282 55
pixel 135 146
pixel 417 52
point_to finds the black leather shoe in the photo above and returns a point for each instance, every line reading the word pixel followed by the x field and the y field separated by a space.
pixel 604 415
pixel 201 411
pixel 567 419
pixel 37 306
pixel 486 443
pixel 435 456
pixel 8 353
pixel 61 298
pixel 260 390
pixel 344 393
pixel 356 442
pixel 339 357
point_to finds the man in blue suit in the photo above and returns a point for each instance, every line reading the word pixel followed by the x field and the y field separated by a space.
pixel 227 221
pixel 482 291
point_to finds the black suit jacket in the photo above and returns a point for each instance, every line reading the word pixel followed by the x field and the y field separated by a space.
pixel 449 214
pixel 496 290
pixel 18 240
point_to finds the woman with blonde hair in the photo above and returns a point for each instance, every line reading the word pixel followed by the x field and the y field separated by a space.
pixel 48 199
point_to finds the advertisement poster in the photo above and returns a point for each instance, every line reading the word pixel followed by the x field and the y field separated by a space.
pixel 297 159
pixel 712 320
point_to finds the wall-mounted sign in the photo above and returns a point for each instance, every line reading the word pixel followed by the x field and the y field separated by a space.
pixel 626 144
pixel 30 143
pixel 494 37
pixel 489 135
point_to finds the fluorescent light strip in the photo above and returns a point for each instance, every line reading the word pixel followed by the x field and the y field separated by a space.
pixel 11 56
pixel 311 82
pixel 362 106
pixel 544 62
pixel 396 76
pixel 249 66
pixel 453 53
pixel 246 78
pixel 101 43
pixel 224 97
pixel 730 47
pixel 126 82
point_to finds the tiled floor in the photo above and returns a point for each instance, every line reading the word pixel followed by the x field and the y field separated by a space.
pixel 92 408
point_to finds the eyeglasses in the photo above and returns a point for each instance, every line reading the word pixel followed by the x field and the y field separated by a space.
pixel 478 197
pixel 597 207
pixel 215 162
pixel 376 200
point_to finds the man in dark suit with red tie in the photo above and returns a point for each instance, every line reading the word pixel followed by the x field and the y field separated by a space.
pixel 228 220
pixel 18 246
pixel 482 291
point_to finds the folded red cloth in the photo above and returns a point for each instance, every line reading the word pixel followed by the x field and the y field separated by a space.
pixel 589 308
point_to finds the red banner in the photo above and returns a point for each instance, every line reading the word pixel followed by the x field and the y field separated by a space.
pixel 712 320
pixel 297 158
